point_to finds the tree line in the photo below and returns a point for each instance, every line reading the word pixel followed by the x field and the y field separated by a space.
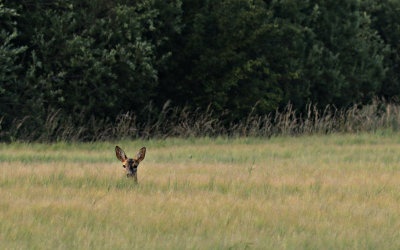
pixel 99 59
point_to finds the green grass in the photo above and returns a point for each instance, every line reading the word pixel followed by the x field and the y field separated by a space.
pixel 312 192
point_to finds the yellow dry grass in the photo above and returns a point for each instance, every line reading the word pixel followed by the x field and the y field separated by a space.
pixel 339 191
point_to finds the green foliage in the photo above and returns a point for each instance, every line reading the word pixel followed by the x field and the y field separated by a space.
pixel 348 54
pixel 98 59
pixel 93 57
pixel 385 20
pixel 237 53
pixel 226 59
pixel 11 87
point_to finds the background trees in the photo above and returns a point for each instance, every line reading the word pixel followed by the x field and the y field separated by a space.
pixel 103 58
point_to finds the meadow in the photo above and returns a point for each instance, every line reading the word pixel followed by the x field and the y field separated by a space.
pixel 337 191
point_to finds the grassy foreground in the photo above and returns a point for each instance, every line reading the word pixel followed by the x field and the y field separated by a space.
pixel 325 192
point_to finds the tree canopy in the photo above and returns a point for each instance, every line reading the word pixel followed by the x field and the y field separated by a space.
pixel 102 58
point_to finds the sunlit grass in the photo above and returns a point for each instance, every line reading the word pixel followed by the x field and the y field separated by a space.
pixel 337 191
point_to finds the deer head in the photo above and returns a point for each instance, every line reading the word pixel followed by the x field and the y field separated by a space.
pixel 130 164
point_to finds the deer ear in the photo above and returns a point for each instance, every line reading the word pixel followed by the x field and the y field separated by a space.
pixel 141 154
pixel 120 154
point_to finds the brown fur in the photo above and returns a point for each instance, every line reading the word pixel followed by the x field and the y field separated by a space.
pixel 130 164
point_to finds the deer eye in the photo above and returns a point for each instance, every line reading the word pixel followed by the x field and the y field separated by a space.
pixel 123 166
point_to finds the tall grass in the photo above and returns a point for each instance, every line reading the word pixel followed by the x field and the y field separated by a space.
pixel 310 192
pixel 181 122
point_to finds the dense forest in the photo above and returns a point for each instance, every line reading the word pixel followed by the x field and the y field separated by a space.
pixel 93 63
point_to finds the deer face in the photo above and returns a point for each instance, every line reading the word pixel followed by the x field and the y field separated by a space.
pixel 130 164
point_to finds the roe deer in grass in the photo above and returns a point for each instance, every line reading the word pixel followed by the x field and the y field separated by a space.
pixel 130 164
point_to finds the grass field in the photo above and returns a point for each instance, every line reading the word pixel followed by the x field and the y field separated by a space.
pixel 313 192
